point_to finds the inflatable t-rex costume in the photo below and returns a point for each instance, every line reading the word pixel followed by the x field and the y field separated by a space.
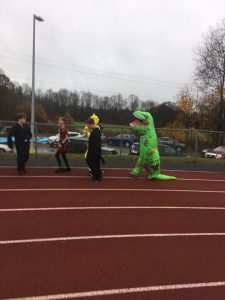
pixel 149 154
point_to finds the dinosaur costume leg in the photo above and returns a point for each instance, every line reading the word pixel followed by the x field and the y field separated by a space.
pixel 153 170
pixel 137 169
pixel 152 167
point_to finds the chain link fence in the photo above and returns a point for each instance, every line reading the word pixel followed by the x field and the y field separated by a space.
pixel 120 140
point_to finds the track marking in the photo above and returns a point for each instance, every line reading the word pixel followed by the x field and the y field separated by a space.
pixel 115 236
pixel 85 168
pixel 112 208
pixel 107 190
pixel 124 291
pixel 106 177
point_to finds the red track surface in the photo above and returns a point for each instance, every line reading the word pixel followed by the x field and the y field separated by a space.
pixel 42 268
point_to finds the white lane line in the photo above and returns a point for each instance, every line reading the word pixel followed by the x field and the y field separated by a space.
pixel 112 236
pixel 105 177
pixel 200 179
pixel 112 208
pixel 85 168
pixel 125 291
pixel 107 190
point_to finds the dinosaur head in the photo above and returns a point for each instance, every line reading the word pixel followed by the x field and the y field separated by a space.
pixel 143 121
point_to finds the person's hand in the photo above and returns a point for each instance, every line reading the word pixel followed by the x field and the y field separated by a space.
pixel 25 141
pixel 59 145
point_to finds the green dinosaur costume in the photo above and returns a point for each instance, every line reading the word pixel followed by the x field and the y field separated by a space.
pixel 149 155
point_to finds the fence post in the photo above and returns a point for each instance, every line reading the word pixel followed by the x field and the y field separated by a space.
pixel 35 138
pixel 121 144
pixel 196 145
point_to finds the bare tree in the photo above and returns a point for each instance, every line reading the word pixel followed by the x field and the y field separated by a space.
pixel 210 68
pixel 134 102
pixel 148 105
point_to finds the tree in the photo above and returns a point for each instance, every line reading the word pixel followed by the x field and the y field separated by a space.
pixel 186 105
pixel 8 98
pixel 210 68
pixel 164 113
pixel 25 107
pixel 148 105
pixel 134 102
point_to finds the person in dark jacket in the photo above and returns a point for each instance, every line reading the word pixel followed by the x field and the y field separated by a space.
pixel 22 134
pixel 93 157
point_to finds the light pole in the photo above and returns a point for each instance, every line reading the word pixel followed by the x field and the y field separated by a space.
pixel 39 19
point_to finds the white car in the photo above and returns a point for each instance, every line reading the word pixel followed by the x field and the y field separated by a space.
pixel 53 140
pixel 5 148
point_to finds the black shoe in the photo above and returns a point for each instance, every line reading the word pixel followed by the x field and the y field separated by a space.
pixel 20 172
pixel 60 169
pixel 93 180
pixel 24 171
pixel 67 169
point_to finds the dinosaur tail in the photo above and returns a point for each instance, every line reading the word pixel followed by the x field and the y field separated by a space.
pixel 161 177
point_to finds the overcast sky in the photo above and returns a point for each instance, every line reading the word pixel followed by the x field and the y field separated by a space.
pixel 141 47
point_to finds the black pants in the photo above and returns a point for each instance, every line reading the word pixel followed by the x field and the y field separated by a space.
pixel 57 156
pixel 23 152
pixel 93 162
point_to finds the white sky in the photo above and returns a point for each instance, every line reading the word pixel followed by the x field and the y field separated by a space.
pixel 141 47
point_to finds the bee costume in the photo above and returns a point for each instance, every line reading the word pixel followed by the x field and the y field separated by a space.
pixel 87 132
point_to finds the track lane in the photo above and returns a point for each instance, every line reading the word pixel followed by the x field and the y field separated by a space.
pixel 40 269
pixel 50 224
pixel 62 267
pixel 48 171
pixel 106 198
pixel 71 183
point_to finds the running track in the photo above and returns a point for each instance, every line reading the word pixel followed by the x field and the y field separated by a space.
pixel 123 238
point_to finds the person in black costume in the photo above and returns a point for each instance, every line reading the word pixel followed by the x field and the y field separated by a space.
pixel 94 155
pixel 22 134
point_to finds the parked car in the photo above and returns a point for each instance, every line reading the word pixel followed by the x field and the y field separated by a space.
pixel 172 142
pixel 109 150
pixel 5 130
pixel 5 148
pixel 80 144
pixel 218 152
pixel 164 150
pixel 127 140
pixel 53 140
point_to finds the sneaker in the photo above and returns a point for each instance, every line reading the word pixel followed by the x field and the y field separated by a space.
pixel 93 180
pixel 67 169
pixel 60 169
pixel 20 172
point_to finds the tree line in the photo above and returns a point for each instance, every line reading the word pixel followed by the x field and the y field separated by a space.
pixel 77 106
